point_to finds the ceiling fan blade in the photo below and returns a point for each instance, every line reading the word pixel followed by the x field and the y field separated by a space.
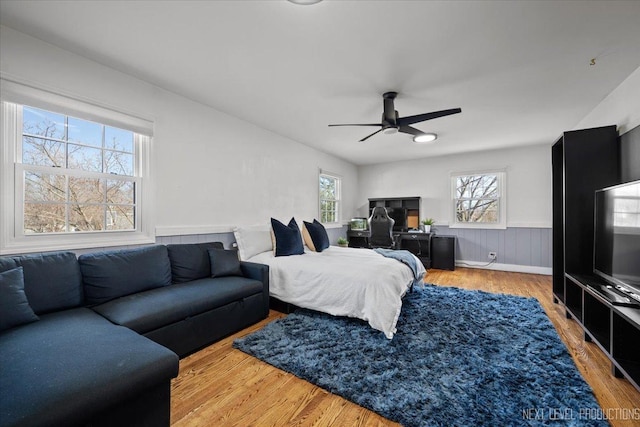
pixel 409 120
pixel 410 130
pixel 369 136
pixel 358 124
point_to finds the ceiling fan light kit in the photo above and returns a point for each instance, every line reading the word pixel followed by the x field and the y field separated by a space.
pixel 305 2
pixel 392 123
pixel 424 138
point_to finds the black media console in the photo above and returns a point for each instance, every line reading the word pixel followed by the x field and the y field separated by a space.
pixel 584 161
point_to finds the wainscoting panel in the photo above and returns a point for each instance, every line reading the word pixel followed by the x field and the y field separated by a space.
pixel 526 246
pixel 228 239
pixel 526 249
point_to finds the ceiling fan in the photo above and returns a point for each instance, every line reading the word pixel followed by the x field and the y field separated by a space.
pixel 391 123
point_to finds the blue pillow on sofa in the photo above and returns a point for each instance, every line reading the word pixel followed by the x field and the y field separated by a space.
pixel 287 239
pixel 190 261
pixel 114 274
pixel 224 262
pixel 14 306
pixel 315 236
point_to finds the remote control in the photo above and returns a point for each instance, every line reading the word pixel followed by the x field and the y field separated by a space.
pixel 614 297
pixel 629 293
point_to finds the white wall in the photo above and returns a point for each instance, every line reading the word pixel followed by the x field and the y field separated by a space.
pixel 620 107
pixel 528 182
pixel 211 170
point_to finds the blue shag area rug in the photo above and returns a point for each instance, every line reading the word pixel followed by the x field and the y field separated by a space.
pixel 463 358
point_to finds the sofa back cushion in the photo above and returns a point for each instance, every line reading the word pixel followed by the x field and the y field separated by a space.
pixel 113 274
pixel 191 261
pixel 52 281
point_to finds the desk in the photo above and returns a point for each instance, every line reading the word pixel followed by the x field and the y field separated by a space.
pixel 358 238
pixel 434 251
pixel 418 244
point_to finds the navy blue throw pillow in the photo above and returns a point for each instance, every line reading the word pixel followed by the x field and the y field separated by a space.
pixel 315 236
pixel 190 261
pixel 14 307
pixel 224 262
pixel 287 238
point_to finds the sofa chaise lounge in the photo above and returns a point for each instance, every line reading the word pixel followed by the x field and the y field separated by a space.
pixel 95 339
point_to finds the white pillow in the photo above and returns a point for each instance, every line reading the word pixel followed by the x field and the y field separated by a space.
pixel 253 240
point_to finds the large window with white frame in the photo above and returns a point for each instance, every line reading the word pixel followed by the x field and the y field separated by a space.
pixel 329 198
pixel 478 199
pixel 76 175
pixel 71 182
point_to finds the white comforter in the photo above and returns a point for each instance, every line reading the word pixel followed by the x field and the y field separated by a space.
pixel 343 282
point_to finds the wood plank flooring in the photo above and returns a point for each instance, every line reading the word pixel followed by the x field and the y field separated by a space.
pixel 221 386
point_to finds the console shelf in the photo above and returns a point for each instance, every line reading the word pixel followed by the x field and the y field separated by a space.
pixel 615 329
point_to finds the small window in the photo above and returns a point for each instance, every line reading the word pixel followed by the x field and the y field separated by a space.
pixel 329 199
pixel 479 200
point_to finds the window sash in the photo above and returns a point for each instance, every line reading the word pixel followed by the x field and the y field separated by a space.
pixel 21 171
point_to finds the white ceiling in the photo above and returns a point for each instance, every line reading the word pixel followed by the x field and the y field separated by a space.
pixel 519 70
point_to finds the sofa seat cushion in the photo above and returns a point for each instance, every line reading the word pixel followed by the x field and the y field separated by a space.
pixel 73 364
pixel 153 309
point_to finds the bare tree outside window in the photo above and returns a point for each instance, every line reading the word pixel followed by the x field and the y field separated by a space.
pixel 329 198
pixel 477 198
pixel 78 175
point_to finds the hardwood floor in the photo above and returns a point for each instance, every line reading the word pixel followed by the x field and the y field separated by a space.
pixel 222 386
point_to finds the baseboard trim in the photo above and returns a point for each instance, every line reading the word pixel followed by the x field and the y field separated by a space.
pixel 516 268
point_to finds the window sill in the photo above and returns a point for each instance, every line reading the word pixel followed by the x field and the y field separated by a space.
pixel 30 244
pixel 333 225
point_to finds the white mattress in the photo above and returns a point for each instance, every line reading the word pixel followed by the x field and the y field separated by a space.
pixel 350 282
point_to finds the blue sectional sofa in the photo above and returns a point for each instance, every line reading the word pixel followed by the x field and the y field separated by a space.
pixel 95 339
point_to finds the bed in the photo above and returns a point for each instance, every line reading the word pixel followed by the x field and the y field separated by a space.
pixel 351 282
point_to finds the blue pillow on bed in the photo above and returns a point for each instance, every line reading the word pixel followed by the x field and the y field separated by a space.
pixel 315 236
pixel 287 239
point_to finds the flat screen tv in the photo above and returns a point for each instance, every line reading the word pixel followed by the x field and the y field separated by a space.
pixel 399 215
pixel 616 254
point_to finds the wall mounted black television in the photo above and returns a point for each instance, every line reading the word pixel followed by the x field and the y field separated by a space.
pixel 616 254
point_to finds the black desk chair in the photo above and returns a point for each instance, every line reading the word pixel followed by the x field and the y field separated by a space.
pixel 381 226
